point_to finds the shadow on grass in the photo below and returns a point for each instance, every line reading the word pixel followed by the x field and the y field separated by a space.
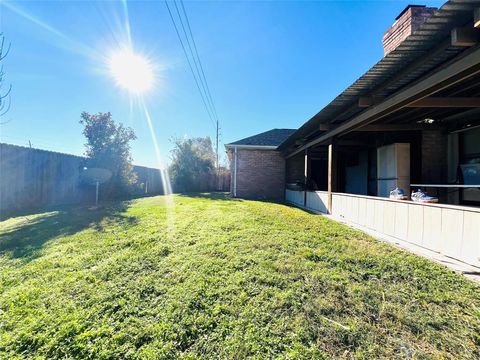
pixel 208 195
pixel 226 196
pixel 25 236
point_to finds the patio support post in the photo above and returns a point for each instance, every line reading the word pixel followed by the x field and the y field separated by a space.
pixel 306 167
pixel 235 174
pixel 332 172
pixel 306 174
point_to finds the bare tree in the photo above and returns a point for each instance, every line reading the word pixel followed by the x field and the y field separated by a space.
pixel 4 90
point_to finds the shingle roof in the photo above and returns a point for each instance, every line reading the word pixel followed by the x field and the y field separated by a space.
pixel 272 137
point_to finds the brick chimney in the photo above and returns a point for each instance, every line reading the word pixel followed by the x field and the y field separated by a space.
pixel 405 24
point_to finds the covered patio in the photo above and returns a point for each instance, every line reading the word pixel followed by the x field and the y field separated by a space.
pixel 413 122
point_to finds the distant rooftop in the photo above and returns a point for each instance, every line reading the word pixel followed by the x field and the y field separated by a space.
pixel 272 137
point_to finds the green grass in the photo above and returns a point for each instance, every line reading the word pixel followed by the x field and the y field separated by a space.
pixel 218 278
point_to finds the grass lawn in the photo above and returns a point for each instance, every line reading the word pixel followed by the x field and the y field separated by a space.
pixel 212 277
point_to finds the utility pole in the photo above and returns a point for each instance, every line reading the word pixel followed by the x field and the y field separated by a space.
pixel 216 152
pixel 216 143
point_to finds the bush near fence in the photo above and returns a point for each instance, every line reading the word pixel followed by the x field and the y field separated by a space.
pixel 215 181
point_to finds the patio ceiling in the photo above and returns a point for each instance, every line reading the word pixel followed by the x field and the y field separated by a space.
pixel 426 51
pixel 448 117
pixel 456 72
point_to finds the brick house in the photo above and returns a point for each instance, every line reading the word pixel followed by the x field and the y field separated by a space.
pixel 257 167
pixel 412 121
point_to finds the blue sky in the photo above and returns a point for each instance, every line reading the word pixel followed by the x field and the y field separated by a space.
pixel 268 65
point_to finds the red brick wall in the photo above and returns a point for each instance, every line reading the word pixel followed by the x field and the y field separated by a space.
pixel 405 26
pixel 260 174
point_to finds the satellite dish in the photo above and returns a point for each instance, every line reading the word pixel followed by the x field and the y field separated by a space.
pixel 96 176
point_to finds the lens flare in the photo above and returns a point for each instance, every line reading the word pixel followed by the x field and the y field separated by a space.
pixel 131 71
pixel 164 176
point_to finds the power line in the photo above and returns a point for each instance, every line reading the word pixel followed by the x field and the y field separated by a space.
pixel 206 95
pixel 190 65
pixel 196 62
pixel 209 95
pixel 199 61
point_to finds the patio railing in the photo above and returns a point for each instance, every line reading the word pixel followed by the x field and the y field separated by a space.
pixel 448 229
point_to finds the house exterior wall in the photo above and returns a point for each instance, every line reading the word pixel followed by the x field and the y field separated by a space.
pixel 434 157
pixel 295 168
pixel 356 177
pixel 260 174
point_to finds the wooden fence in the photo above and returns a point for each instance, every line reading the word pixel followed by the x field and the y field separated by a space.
pixel 34 178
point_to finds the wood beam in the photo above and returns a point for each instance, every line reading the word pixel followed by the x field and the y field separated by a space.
pixel 423 60
pixel 420 62
pixel 365 101
pixel 326 127
pixel 307 170
pixel 462 69
pixel 332 172
pixel 447 102
pixel 396 127
pixel 471 114
pixel 306 167
pixel 465 36
pixel 476 18
pixel 433 102
pixel 352 143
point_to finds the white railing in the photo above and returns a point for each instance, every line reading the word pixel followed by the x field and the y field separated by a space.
pixel 317 201
pixel 295 197
pixel 448 229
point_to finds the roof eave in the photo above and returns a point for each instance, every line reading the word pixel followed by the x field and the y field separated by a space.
pixel 251 147
pixel 384 71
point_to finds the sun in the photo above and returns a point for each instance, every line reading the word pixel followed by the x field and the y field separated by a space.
pixel 131 71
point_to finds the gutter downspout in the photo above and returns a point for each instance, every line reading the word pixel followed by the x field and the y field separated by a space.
pixel 235 175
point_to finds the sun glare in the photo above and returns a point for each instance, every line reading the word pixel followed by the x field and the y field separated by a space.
pixel 131 71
